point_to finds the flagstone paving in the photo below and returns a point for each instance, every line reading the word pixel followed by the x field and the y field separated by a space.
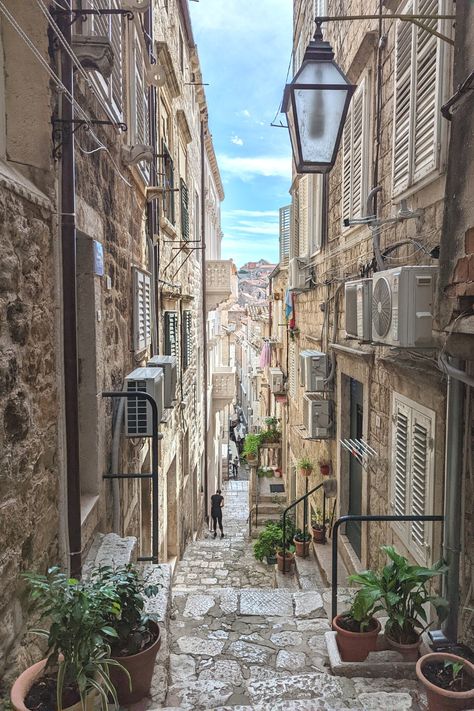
pixel 237 643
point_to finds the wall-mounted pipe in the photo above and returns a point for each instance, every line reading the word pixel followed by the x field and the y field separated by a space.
pixel 375 227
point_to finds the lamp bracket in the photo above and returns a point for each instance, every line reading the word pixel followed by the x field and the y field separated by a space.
pixel 62 128
pixel 407 17
pixel 82 14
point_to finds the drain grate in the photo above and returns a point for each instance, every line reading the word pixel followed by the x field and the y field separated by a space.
pixel 277 488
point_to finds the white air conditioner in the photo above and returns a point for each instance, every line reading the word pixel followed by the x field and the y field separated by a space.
pixel 138 413
pixel 298 273
pixel 358 309
pixel 402 306
pixel 276 380
pixel 313 370
pixel 318 416
pixel 168 365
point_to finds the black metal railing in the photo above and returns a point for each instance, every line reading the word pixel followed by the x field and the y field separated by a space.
pixel 353 517
pixel 305 515
pixel 154 468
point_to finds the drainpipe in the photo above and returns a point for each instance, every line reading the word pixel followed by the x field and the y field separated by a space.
pixel 371 210
pixel 452 498
pixel 204 313
pixel 67 202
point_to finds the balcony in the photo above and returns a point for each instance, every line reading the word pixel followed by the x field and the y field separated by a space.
pixel 224 386
pixel 218 282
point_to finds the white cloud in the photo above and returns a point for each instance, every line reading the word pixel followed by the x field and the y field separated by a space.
pixel 236 140
pixel 245 113
pixel 247 168
pixel 251 213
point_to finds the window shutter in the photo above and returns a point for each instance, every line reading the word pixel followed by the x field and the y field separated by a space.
pixel 292 368
pixel 354 155
pixel 315 222
pixel 141 97
pixel 402 111
pixel 117 75
pixel 427 82
pixel 171 333
pixel 142 310
pixel 168 178
pixel 184 210
pixel 419 464
pixel 186 339
pixel 110 26
pixel 285 233
pixel 401 458
pixel 295 232
pixel 346 167
pixel 303 216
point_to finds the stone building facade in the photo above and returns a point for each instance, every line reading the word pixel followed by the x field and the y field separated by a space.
pixel 145 203
pixel 381 207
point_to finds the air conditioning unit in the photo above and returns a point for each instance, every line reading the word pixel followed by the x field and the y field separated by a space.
pixel 318 416
pixel 276 380
pixel 358 309
pixel 297 274
pixel 168 365
pixel 138 413
pixel 402 306
pixel 313 370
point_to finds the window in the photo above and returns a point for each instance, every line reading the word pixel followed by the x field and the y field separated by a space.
pixel 168 179
pixel 184 210
pixel 197 217
pixel 285 232
pixel 141 310
pixel 355 154
pixel 109 26
pixel 412 472
pixel 181 53
pixel 420 71
pixel 187 339
pixel 171 334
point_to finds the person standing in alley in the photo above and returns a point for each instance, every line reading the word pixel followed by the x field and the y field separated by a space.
pixel 217 502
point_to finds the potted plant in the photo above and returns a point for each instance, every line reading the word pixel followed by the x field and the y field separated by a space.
pixel 305 466
pixel 271 422
pixel 318 527
pixel 270 436
pixel 294 332
pixel 448 681
pixel 267 542
pixel 301 540
pixel 137 639
pixel 324 468
pixel 402 587
pixel 76 669
pixel 357 629
pixel 286 563
pixel 251 445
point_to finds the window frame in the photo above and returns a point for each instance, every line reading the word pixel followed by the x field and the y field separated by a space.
pixel 142 310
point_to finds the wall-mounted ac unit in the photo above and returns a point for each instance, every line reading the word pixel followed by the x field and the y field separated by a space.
pixel 313 370
pixel 298 273
pixel 138 413
pixel 168 365
pixel 358 309
pixel 402 306
pixel 318 416
pixel 276 380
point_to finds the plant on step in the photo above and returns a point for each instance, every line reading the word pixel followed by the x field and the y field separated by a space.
pixel 317 520
pixel 266 544
pixel 78 638
pixel 305 466
pixel 403 590
pixel 357 629
pixel 301 536
pixel 251 445
pixel 132 628
pixel 290 527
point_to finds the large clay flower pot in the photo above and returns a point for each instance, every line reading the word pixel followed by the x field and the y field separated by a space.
pixel 288 562
pixel 302 548
pixel 443 699
pixel 140 667
pixel 306 472
pixel 355 646
pixel 25 681
pixel 409 652
pixel 319 534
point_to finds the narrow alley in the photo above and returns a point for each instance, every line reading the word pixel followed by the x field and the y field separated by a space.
pixel 239 643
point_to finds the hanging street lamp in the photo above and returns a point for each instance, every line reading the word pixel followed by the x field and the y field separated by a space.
pixel 316 104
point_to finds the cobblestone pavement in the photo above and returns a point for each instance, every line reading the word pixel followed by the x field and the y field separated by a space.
pixel 237 643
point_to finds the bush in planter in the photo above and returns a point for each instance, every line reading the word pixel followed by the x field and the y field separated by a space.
pixel 357 628
pixel 267 541
pixel 305 466
pixel 78 647
pixel 270 436
pixel 301 540
pixel 251 445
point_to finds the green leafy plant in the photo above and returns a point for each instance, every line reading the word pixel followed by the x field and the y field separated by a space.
pixel 294 332
pixel 132 625
pixel 251 445
pixel 403 590
pixel 78 639
pixel 289 548
pixel 306 465
pixel 271 422
pixel 301 536
pixel 268 540
pixel 456 669
pixel 290 528
pixel 270 436
pixel 361 613
pixel 317 519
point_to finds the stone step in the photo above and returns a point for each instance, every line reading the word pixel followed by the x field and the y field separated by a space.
pixel 110 549
pixel 269 507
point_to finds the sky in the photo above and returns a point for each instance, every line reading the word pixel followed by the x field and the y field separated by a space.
pixel 244 49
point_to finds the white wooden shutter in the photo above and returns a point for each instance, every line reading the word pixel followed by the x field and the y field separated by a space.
pixel 346 167
pixel 401 460
pixel 110 26
pixel 295 229
pixel 303 199
pixel 354 154
pixel 402 119
pixel 292 374
pixel 142 310
pixel 116 80
pixel 285 233
pixel 315 217
pixel 420 459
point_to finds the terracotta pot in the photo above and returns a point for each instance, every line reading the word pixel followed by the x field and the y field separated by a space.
pixel 288 562
pixel 140 667
pixel 442 699
pixel 302 548
pixel 319 534
pixel 25 681
pixel 355 646
pixel 306 472
pixel 324 469
pixel 251 458
pixel 409 652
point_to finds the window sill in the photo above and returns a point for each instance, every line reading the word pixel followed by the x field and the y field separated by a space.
pixel 13 180
pixel 418 186
pixel 168 227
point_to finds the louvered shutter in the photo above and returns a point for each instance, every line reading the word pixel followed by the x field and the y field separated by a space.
pixel 346 166
pixel 402 105
pixel 295 232
pixel 420 456
pixel 315 225
pixel 425 153
pixel 354 155
pixel 303 198
pixel 186 327
pixel 168 177
pixel 142 310
pixel 171 333
pixel 285 233
pixel 116 79
pixel 401 458
pixel 292 374
pixel 184 210
pixel 110 26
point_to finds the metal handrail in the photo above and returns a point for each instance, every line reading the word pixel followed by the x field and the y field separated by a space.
pixel 354 517
pixel 288 508
pixel 154 468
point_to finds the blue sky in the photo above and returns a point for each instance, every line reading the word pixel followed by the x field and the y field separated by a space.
pixel 244 48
